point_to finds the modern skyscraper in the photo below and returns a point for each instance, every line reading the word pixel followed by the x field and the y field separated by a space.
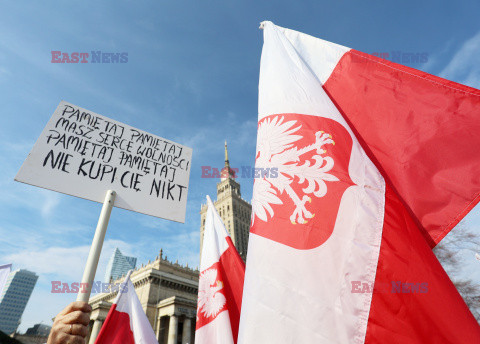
pixel 14 298
pixel 232 208
pixel 119 265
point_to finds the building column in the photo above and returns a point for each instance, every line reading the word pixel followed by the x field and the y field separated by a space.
pixel 97 325
pixel 157 330
pixel 187 330
pixel 173 330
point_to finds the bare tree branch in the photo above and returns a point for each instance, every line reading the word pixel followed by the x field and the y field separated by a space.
pixel 447 252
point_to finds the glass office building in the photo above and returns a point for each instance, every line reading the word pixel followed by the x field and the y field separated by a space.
pixel 119 265
pixel 14 299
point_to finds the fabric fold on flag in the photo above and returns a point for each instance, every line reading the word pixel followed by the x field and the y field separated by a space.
pixel 414 300
pixel 419 129
pixel 220 289
pixel 126 322
pixel 340 243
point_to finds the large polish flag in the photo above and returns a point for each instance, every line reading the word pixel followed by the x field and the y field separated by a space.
pixel 126 322
pixel 222 272
pixel 377 162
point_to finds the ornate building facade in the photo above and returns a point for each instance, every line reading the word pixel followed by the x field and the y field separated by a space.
pixel 232 208
pixel 168 291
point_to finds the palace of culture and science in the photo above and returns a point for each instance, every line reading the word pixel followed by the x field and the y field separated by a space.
pixel 167 290
pixel 232 208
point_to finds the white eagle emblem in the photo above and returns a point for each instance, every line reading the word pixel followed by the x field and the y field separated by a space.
pixel 274 150
pixel 210 300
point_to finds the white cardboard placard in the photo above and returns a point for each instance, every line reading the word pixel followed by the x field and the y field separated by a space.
pixel 84 154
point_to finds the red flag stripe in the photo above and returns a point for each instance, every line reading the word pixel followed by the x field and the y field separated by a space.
pixel 420 130
pixel 232 273
pixel 126 321
pixel 413 293
pixel 233 269
pixel 118 330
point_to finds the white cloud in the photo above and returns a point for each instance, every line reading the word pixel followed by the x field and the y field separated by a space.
pixel 51 200
pixel 63 262
pixel 153 222
pixel 57 263
pixel 464 66
pixel 42 201
pixel 434 59
pixel 184 247
pixel 43 306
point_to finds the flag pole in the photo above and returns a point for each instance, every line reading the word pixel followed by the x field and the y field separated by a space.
pixel 96 248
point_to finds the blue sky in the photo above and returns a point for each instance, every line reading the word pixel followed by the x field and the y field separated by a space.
pixel 191 77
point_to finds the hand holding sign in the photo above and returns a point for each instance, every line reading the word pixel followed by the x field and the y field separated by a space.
pixel 84 154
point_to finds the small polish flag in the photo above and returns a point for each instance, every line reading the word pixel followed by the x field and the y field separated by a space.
pixel 126 321
pixel 220 289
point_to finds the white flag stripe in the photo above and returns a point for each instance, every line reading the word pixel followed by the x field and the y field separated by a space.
pixel 304 296
pixel 219 328
pixel 274 97
pixel 214 243
pixel 220 269
pixel 313 49
pixel 129 303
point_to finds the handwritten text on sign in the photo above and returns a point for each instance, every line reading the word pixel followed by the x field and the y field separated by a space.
pixel 84 154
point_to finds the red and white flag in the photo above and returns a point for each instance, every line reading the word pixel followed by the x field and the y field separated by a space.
pixel 222 272
pixel 126 322
pixel 376 163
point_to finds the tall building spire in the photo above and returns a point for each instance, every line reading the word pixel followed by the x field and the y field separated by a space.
pixel 227 164
pixel 232 208
pixel 227 172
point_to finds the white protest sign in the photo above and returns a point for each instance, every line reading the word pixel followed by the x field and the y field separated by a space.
pixel 83 154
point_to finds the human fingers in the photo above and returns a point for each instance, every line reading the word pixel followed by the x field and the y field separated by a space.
pixel 76 317
pixel 76 306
